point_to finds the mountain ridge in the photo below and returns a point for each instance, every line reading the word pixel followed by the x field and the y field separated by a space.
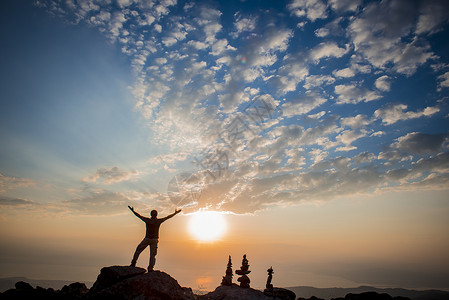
pixel 330 293
pixel 7 283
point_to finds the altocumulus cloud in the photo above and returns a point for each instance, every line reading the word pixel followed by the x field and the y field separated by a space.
pixel 273 106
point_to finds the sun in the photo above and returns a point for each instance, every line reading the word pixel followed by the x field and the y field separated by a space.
pixel 207 226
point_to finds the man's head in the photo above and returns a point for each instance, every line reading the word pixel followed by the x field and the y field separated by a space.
pixel 154 213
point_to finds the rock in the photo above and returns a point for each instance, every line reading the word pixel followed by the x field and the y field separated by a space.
pixel 111 275
pixel 280 293
pixel 23 286
pixel 76 289
pixel 234 292
pixel 153 285
pixel 316 298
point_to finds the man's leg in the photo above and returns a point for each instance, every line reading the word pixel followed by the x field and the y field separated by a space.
pixel 153 252
pixel 143 244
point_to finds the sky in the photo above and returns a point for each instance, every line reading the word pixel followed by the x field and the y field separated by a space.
pixel 318 130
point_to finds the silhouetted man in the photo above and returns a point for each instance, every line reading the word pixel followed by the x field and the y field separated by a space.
pixel 151 237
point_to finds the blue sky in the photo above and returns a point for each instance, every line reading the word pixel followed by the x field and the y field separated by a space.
pixel 235 106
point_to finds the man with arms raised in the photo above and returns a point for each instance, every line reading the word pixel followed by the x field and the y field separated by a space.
pixel 151 237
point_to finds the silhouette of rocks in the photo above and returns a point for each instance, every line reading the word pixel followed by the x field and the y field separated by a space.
pixel 153 285
pixel 76 289
pixel 23 286
pixel 313 298
pixel 227 279
pixel 244 279
pixel 371 296
pixel 24 290
pixel 275 292
pixel 280 293
pixel 269 286
pixel 111 275
pixel 234 292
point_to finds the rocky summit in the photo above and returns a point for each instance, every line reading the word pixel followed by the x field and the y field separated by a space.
pixel 130 283
pixel 235 292
pixel 123 283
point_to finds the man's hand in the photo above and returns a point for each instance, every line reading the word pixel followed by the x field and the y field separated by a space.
pixel 131 208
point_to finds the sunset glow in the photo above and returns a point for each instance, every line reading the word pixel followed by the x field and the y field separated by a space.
pixel 310 135
pixel 207 226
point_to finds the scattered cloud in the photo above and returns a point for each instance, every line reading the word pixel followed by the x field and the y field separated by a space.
pixel 393 113
pixel 111 175
pixel 7 201
pixel 353 94
pixel 324 50
pixel 432 14
pixel 358 121
pixel 383 83
pixel 310 9
pixel 421 143
pixel 444 81
pixel 7 183
pixel 99 203
pixel 199 70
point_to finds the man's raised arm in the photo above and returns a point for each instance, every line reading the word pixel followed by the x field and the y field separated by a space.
pixel 134 212
pixel 177 211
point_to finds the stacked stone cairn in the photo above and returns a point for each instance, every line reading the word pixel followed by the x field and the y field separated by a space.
pixel 227 279
pixel 269 286
pixel 243 279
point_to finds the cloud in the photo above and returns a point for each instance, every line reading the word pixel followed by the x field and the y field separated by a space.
pixel 378 35
pixel 358 121
pixel 318 80
pixel 194 76
pixel 243 24
pixel 302 104
pixel 432 14
pixel 347 137
pixel 8 183
pixel 310 9
pixel 383 83
pixel 100 203
pixel 393 113
pixel 421 143
pixel 111 175
pixel 325 50
pixel 8 201
pixel 345 73
pixel 444 81
pixel 352 94
pixel 364 157
pixel 344 5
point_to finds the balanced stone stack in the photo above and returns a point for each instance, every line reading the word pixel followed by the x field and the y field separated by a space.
pixel 244 279
pixel 227 279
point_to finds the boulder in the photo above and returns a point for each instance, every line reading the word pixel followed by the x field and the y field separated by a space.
pixel 76 289
pixel 23 286
pixel 234 292
pixel 111 275
pixel 280 293
pixel 153 285
pixel 316 298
